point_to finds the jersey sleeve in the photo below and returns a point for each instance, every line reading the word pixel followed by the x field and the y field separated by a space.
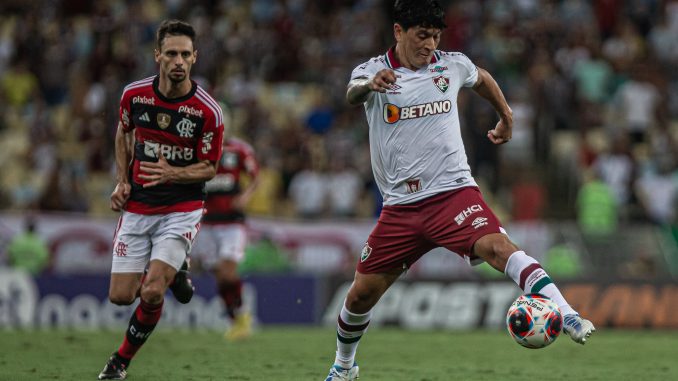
pixel 469 72
pixel 365 70
pixel 125 112
pixel 210 147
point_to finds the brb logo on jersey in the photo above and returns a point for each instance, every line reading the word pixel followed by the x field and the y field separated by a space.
pixel 170 152
pixel 393 113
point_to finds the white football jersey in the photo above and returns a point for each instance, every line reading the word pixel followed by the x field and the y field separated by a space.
pixel 415 137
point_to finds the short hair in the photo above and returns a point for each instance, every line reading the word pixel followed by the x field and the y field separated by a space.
pixel 424 13
pixel 174 28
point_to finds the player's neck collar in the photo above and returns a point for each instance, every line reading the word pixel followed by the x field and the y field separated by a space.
pixel 187 96
pixel 393 62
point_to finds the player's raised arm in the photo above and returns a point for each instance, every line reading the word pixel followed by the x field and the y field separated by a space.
pixel 360 88
pixel 488 88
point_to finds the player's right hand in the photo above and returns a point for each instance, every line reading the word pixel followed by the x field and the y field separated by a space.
pixel 119 196
pixel 382 81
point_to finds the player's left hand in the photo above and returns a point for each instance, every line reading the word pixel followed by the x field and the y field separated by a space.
pixel 155 173
pixel 500 134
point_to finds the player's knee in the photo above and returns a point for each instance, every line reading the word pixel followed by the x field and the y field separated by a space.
pixel 227 271
pixel 152 292
pixel 495 249
pixel 502 250
pixel 122 299
pixel 360 300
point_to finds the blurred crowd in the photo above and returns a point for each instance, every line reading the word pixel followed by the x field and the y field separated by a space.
pixel 592 84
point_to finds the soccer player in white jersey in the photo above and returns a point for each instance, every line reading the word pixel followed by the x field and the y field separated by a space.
pixel 418 160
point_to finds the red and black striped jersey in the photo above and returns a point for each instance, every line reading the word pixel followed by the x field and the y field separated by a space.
pixel 185 130
pixel 238 158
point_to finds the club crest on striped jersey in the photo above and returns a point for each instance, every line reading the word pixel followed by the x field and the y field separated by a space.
pixel 367 250
pixel 163 120
pixel 185 128
pixel 442 83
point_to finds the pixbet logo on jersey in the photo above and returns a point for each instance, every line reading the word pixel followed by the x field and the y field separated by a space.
pixel 190 111
pixel 393 113
pixel 143 100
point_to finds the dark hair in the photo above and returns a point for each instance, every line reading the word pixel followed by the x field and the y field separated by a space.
pixel 424 13
pixel 174 28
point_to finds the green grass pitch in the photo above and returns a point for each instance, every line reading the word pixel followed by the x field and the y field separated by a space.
pixel 298 353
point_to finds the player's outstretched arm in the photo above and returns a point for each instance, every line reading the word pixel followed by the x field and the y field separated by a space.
pixel 488 88
pixel 124 142
pixel 161 172
pixel 360 88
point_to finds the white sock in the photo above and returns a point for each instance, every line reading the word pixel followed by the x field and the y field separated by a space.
pixel 531 277
pixel 350 328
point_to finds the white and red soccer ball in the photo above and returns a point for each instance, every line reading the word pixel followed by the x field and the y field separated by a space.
pixel 534 321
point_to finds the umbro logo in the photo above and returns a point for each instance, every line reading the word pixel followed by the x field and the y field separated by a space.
pixel 145 118
pixel 394 89
pixel 478 222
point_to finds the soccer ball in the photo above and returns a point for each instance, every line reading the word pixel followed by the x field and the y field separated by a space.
pixel 534 321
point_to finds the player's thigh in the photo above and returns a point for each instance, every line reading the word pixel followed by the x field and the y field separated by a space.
pixel 231 241
pixel 124 287
pixel 205 246
pixel 132 243
pixel 159 270
pixel 395 243
pixel 367 289
pixel 226 270
pixel 495 249
pixel 171 252
pixel 174 236
pixel 160 273
pixel 457 220
pixel 219 247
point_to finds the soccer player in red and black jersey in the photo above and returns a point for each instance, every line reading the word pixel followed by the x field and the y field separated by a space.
pixel 224 234
pixel 167 145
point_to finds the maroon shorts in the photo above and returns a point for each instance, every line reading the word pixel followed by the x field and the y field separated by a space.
pixel 454 220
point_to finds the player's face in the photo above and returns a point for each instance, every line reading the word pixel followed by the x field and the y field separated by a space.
pixel 417 44
pixel 176 57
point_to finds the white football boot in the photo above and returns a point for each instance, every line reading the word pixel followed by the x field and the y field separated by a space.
pixel 337 373
pixel 577 328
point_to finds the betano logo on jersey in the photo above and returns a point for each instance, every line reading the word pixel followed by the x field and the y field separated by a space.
pixel 393 113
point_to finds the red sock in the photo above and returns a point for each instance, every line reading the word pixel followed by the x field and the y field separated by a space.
pixel 141 324
pixel 231 294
